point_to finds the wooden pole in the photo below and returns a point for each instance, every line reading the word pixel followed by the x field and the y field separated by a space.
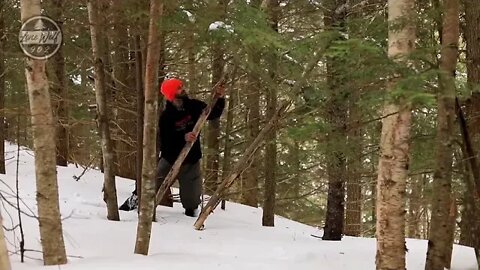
pixel 472 158
pixel 238 169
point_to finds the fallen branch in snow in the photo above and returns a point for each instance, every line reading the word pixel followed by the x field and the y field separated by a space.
pixel 77 178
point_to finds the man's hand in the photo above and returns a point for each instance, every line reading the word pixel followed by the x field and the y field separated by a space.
pixel 190 137
pixel 220 90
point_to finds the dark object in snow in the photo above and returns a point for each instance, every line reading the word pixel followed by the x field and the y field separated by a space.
pixel 191 212
pixel 131 203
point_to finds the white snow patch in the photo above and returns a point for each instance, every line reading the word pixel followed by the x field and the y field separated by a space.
pixel 232 239
pixel 220 25
pixel 191 18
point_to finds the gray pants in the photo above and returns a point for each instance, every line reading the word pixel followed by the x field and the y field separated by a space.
pixel 190 179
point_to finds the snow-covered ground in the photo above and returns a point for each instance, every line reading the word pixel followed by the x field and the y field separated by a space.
pixel 232 239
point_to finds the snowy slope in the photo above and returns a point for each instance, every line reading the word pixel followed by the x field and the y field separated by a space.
pixel 233 239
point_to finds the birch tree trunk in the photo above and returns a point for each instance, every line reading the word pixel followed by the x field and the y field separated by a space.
pixel 43 126
pixel 2 88
pixel 110 193
pixel 59 90
pixel 394 148
pixel 271 8
pixel 144 228
pixel 439 244
pixel 4 259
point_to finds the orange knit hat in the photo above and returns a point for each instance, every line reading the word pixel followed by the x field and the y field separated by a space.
pixel 170 88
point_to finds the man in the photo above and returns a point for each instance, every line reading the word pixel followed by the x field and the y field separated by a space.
pixel 175 128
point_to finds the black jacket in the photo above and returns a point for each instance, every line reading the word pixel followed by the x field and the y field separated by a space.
pixel 174 124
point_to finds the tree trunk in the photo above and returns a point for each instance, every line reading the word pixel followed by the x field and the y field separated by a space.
pixel 268 218
pixel 147 202
pixel 2 89
pixel 213 131
pixel 439 243
pixel 450 231
pixel 250 176
pixel 394 149
pixel 110 193
pixel 336 114
pixel 43 126
pixel 4 258
pixel 353 215
pixel 140 113
pixel 124 97
pixel 59 90
pixel 472 37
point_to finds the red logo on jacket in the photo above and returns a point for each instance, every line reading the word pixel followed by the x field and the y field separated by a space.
pixel 182 123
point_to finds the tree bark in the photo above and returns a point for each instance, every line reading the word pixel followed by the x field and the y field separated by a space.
pixel 439 243
pixel 450 231
pixel 394 149
pixel 140 114
pixel 472 37
pixel 110 193
pixel 59 91
pixel 147 202
pixel 2 88
pixel 4 258
pixel 268 219
pixel 43 126
pixel 336 114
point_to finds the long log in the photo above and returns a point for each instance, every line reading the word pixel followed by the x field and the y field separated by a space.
pixel 172 174
pixel 239 168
